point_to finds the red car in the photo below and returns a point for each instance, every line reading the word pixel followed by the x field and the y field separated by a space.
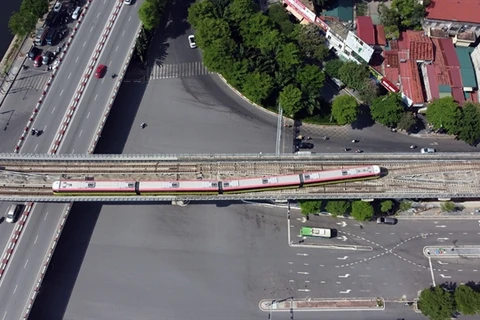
pixel 100 72
pixel 37 62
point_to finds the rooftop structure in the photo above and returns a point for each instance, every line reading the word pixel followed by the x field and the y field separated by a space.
pixel 380 38
pixel 365 30
pixel 341 9
pixel 419 45
pixel 454 10
pixel 467 69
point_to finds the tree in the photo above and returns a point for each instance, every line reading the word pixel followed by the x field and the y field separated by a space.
pixel 218 55
pixel 199 11
pixel 404 206
pixel 254 27
pixel 410 13
pixel 387 110
pixel 354 75
pixel 291 100
pixel 362 211
pixel 406 122
pixel 280 18
pixel 386 205
pixel 241 10
pixel 22 23
pixel 288 57
pixel 150 12
pixel 448 206
pixel 467 300
pixel 37 7
pixel 369 92
pixel 310 206
pixel 237 73
pixel 344 109
pixel 437 303
pixel 311 42
pixel 210 30
pixel 311 80
pixel 332 68
pixel 444 113
pixel 338 207
pixel 469 123
pixel 258 86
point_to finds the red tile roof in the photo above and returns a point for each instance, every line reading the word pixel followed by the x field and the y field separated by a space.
pixel 432 81
pixel 420 46
pixel 411 83
pixel 449 52
pixel 403 42
pixel 451 10
pixel 391 66
pixel 458 95
pixel 380 35
pixel 365 30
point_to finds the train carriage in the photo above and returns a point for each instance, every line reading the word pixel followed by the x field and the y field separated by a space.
pixel 85 187
pixel 341 175
pixel 260 184
pixel 178 187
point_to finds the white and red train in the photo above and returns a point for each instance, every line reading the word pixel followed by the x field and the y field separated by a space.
pixel 178 187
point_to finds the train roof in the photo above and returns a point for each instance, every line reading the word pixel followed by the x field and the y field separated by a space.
pixel 263 181
pixel 93 185
pixel 179 185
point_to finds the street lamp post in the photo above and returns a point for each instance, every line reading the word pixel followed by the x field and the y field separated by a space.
pixel 279 130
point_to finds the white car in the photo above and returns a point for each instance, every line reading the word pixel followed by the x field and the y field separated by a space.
pixel 191 41
pixel 57 6
pixel 127 1
pixel 428 150
pixel 76 13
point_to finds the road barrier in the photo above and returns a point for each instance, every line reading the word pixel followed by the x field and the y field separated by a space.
pixel 50 80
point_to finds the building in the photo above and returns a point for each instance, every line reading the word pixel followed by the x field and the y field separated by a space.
pixel 458 19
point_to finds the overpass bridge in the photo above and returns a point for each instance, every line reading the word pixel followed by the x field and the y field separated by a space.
pixel 29 177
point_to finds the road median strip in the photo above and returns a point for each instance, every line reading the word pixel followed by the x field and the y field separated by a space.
pixel 354 304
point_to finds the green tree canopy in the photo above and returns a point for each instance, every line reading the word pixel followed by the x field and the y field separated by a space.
pixel 254 27
pixel 218 55
pixel 406 122
pixel 291 100
pixel 338 207
pixel 436 303
pixel 37 7
pixel 241 10
pixel 344 109
pixel 410 13
pixel 332 68
pixel 311 42
pixel 210 30
pixel 311 79
pixel 369 92
pixel 467 300
pixel 199 11
pixel 386 205
pixel 258 86
pixel 22 23
pixel 310 206
pixel 444 113
pixel 288 57
pixel 354 75
pixel 448 206
pixel 387 110
pixel 150 12
pixel 281 19
pixel 470 123
pixel 362 211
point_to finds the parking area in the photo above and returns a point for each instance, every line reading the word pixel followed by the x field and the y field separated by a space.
pixel 49 39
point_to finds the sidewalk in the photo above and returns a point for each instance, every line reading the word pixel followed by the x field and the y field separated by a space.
pixel 432 210
pixel 353 304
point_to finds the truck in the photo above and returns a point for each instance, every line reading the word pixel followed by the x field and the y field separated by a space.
pixel 316 232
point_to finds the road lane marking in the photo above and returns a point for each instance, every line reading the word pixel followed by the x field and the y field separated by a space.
pixel 61 92
pixel 347 291
pixel 91 29
pixel 442 262
pixel 321 265
pixel 26 262
pixel 345 276
pixel 465 233
pixel 307 281
pixel 73 151
pixel 302 272
pixel 35 149
pixel 474 270
pixel 303 290
pixel 129 18
pixel 84 44
pixel 88 114
pixel 305 264
pixel 302 254
pixel 460 270
pixel 15 290
pixel 322 281
pixel 123 33
pixel 98 15
pixel 46 215
pixel 431 271
pixel 36 238
pixel 53 110
pixel 290 262
pixel 116 49
pixel 95 99
pixel 441 226
pixel 342 258
pixel 338 282
pixel 80 134
pixel 444 276
pixel 69 75
pixel 4 315
pixel 76 60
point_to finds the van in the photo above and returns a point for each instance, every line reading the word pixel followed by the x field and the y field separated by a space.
pixel 51 36
pixel 14 212
pixel 40 36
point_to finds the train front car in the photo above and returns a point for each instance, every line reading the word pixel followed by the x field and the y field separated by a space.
pixel 178 187
pixel 341 175
pixel 261 184
pixel 91 187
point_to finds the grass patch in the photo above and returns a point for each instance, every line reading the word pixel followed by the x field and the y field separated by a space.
pixel 361 9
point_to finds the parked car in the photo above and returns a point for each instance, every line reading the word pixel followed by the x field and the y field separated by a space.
pixel 76 13
pixel 37 62
pixel 305 145
pixel 428 150
pixel 33 52
pixel 100 71
pixel 47 57
pixel 127 1
pixel 387 220
pixel 57 7
pixel 191 41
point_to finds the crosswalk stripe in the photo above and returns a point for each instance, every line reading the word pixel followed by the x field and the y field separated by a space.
pixel 180 70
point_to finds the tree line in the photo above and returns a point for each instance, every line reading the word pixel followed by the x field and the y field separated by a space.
pixel 24 21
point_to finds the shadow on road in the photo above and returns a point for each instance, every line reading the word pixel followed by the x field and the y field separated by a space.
pixel 52 301
pixel 364 119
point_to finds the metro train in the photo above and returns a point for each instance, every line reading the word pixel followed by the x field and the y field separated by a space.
pixel 227 186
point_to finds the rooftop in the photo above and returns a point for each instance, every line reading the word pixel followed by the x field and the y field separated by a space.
pixel 341 9
pixel 467 70
pixel 420 46
pixel 411 83
pixel 365 30
pixel 454 10
pixel 380 35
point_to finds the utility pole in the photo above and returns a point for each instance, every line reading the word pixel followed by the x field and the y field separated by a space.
pixel 279 130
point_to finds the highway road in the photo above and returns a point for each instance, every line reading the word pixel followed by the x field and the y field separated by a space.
pixel 40 228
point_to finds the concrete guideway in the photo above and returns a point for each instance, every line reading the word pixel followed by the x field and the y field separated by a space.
pixel 353 304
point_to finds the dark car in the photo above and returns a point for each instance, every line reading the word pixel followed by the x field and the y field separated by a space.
pixel 100 72
pixel 387 220
pixel 47 57
pixel 33 52
pixel 305 145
